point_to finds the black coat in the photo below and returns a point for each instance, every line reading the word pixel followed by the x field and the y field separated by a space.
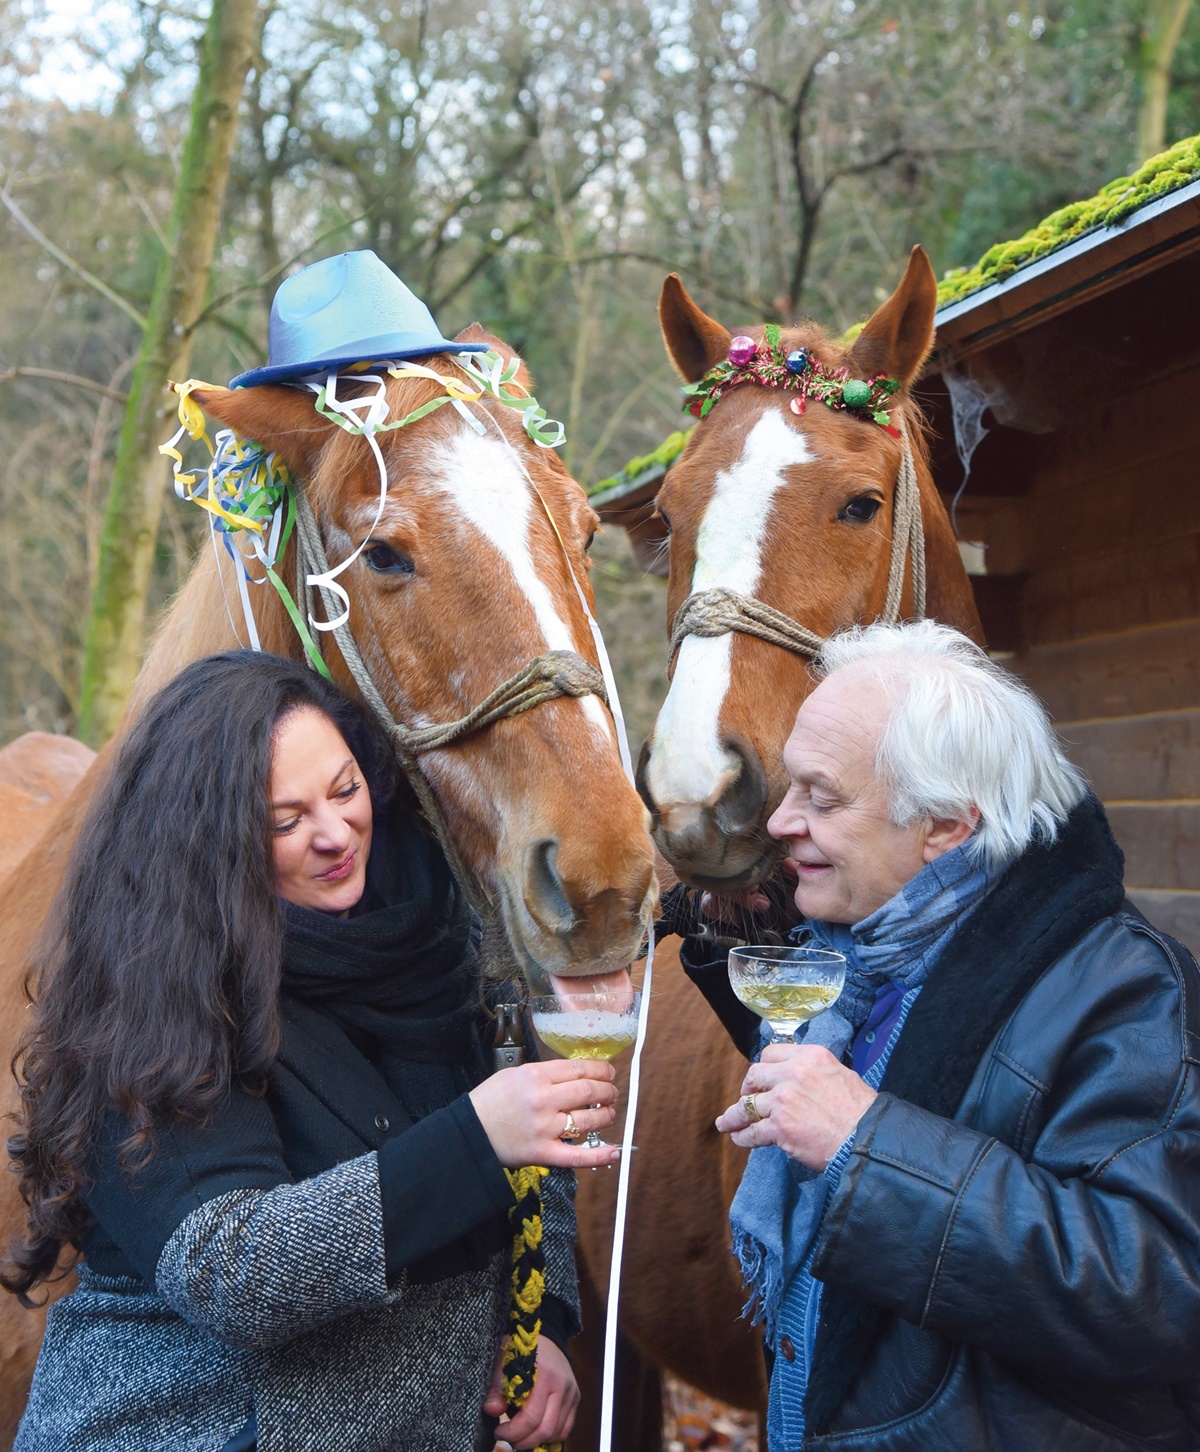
pixel 319 1256
pixel 1012 1256
pixel 444 1194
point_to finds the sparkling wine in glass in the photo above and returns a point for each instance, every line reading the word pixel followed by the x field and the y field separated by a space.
pixel 786 986
pixel 588 1025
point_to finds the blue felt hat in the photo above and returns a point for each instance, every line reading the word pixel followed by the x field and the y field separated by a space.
pixel 347 309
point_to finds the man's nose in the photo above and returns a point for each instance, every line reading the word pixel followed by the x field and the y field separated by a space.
pixel 786 821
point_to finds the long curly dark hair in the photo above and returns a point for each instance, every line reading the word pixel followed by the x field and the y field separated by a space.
pixel 156 982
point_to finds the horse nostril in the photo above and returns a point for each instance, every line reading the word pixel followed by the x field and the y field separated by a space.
pixel 741 804
pixel 639 781
pixel 545 896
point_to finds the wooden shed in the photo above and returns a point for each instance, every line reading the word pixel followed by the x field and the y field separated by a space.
pixel 1064 393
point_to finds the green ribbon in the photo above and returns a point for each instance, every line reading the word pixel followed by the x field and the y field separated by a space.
pixel 302 630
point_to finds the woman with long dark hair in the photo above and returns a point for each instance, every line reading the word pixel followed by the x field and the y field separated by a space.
pixel 256 1105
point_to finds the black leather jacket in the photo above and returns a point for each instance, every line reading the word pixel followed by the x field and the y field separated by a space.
pixel 1012 1256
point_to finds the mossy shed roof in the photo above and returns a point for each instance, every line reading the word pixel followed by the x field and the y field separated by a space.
pixel 1113 203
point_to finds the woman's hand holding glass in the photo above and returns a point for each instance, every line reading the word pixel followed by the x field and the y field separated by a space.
pixel 524 1112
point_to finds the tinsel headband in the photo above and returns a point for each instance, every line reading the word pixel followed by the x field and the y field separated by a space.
pixel 799 373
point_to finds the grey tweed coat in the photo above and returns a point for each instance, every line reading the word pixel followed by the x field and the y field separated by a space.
pixel 314 1259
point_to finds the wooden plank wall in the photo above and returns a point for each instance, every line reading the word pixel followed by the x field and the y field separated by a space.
pixel 1103 552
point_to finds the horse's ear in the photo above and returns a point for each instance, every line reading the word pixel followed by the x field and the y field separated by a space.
pixel 477 333
pixel 898 337
pixel 283 420
pixel 694 340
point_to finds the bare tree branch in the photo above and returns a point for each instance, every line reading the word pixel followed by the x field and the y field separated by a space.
pixel 215 306
pixel 54 376
pixel 755 306
pixel 860 168
pixel 59 255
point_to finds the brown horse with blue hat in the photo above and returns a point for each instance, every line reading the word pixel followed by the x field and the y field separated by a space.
pixel 387 502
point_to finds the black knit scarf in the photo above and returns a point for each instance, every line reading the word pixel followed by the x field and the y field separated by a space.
pixel 1046 901
pixel 400 971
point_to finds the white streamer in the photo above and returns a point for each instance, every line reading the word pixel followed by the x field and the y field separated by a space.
pixel 618 1249
pixel 239 569
pixel 363 416
pixel 477 424
pixel 216 549
pixel 635 1064
pixel 490 369
pixel 494 374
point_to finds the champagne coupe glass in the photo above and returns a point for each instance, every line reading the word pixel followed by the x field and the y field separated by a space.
pixel 595 1023
pixel 786 986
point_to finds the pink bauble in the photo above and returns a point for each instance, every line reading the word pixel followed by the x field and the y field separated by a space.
pixel 741 350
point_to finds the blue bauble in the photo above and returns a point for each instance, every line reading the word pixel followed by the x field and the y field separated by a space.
pixel 797 361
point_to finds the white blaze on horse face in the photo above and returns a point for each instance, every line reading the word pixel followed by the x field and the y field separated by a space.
pixel 489 490
pixel 688 767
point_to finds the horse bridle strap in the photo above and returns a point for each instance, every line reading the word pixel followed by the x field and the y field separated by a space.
pixel 720 611
pixel 546 677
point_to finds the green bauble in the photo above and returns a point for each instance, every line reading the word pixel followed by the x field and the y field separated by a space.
pixel 856 393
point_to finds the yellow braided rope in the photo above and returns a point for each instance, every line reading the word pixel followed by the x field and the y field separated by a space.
pixel 527 1289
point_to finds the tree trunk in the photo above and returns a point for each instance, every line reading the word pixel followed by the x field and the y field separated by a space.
pixel 1160 35
pixel 113 648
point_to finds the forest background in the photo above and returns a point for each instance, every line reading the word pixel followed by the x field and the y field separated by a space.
pixel 537 165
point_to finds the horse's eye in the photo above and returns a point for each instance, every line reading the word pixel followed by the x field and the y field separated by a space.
pixel 590 541
pixel 664 520
pixel 383 557
pixel 861 510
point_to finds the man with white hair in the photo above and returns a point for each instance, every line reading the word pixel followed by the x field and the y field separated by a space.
pixel 972 1215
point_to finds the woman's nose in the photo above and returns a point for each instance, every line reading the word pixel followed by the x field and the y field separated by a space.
pixel 332 833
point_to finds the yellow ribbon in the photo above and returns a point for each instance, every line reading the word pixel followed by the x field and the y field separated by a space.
pixel 456 389
pixel 526 1299
pixel 192 422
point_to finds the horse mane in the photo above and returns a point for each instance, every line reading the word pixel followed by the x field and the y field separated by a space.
pixel 204 618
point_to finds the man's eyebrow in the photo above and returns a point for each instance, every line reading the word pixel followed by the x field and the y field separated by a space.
pixel 340 772
pixel 820 780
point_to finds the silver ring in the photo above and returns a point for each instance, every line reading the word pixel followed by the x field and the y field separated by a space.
pixel 750 1108
pixel 570 1130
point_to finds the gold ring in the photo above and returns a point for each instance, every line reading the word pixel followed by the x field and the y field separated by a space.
pixel 750 1108
pixel 570 1129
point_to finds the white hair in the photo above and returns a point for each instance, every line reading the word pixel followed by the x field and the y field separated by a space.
pixel 963 734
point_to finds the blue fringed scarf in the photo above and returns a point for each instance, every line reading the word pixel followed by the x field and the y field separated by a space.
pixel 779 1204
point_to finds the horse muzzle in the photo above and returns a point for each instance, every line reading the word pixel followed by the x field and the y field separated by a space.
pixel 564 925
pixel 721 845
